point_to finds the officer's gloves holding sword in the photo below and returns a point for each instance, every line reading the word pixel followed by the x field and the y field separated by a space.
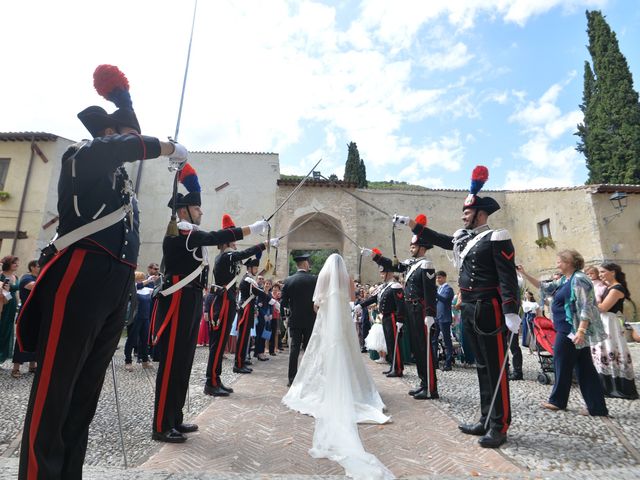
pixel 429 321
pixel 178 158
pixel 400 220
pixel 513 321
pixel 399 325
pixel 259 227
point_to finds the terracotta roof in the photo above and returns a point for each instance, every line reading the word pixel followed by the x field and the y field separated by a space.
pixel 316 183
pixel 27 137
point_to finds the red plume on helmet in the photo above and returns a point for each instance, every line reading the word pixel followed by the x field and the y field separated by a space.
pixel 227 221
pixel 421 219
pixel 376 251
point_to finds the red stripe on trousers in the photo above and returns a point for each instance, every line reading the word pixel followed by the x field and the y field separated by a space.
pixel 175 315
pixel 431 371
pixel 244 320
pixel 57 319
pixel 31 294
pixel 152 328
pixel 222 327
pixel 501 353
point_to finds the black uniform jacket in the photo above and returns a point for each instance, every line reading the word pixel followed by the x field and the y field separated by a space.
pixel 488 268
pixel 297 296
pixel 247 288
pixel 390 299
pixel 419 282
pixel 227 265
pixel 93 184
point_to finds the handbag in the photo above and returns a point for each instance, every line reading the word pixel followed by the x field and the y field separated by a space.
pixel 266 332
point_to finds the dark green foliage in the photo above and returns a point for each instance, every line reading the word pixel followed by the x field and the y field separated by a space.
pixel 355 170
pixel 362 178
pixel 610 132
pixel 317 259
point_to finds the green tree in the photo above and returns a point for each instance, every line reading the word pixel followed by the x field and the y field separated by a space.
pixel 610 132
pixel 362 175
pixel 352 167
pixel 316 261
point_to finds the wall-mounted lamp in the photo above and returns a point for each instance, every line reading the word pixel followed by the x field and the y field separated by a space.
pixel 619 202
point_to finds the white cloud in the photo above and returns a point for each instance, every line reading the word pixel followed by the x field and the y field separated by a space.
pixel 452 57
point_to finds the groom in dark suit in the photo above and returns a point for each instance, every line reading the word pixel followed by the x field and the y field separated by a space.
pixel 297 298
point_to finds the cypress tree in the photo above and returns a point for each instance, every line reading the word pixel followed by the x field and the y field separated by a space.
pixel 610 132
pixel 362 175
pixel 352 167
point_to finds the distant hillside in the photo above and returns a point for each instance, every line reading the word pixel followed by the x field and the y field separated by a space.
pixel 388 185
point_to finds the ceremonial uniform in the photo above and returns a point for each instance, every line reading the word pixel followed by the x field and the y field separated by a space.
pixel 249 292
pixel 420 302
pixel 177 313
pixel 390 300
pixel 73 326
pixel 489 289
pixel 226 270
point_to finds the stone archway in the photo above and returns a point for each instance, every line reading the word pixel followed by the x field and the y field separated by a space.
pixel 316 232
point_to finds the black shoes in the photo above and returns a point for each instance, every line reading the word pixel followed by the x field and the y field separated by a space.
pixel 416 390
pixel 187 428
pixel 515 375
pixel 248 362
pixel 263 359
pixel 492 439
pixel 386 372
pixel 225 388
pixel 447 368
pixel 394 374
pixel 424 395
pixel 214 392
pixel 472 428
pixel 171 436
pixel 242 370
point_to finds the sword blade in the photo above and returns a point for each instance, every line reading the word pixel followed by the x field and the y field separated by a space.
pixel 298 226
pixel 294 190
pixel 358 198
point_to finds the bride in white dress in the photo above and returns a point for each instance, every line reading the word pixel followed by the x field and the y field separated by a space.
pixel 333 384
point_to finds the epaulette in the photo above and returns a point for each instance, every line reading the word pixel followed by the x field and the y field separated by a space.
pixel 427 264
pixel 458 232
pixel 500 235
pixel 395 285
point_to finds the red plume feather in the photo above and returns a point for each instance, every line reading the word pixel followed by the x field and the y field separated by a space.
pixel 227 221
pixel 480 173
pixel 186 171
pixel 376 251
pixel 106 78
pixel 421 219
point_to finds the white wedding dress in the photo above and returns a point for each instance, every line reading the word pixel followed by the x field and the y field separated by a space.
pixel 333 384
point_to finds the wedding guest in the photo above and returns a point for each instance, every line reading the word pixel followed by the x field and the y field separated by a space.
pixel 138 336
pixel 611 357
pixel 598 285
pixel 265 314
pixel 577 323
pixel 27 282
pixel 275 341
pixel 9 285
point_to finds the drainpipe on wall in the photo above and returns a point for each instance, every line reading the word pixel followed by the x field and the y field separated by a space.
pixel 24 197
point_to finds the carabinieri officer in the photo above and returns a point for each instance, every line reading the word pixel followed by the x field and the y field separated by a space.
pixel 178 307
pixel 73 326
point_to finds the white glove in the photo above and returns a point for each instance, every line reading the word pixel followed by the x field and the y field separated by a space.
pixel 251 281
pixel 399 325
pixel 366 252
pixel 275 304
pixel 274 242
pixel 357 309
pixel 429 321
pixel 513 322
pixel 178 158
pixel 259 227
pixel 402 220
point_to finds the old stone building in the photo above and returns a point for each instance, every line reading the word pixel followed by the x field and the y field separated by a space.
pixel 248 187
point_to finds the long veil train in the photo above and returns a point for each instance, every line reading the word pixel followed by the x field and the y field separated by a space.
pixel 333 384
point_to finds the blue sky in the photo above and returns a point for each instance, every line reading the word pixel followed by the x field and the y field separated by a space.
pixel 427 89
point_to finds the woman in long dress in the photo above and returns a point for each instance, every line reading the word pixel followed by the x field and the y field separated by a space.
pixel 332 384
pixel 611 357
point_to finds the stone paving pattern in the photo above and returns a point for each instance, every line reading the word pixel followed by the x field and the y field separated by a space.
pixel 542 444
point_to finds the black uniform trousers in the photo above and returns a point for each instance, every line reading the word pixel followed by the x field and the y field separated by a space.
pixel 176 347
pixel 222 311
pixel 79 332
pixel 566 357
pixel 423 354
pixel 516 354
pixel 485 330
pixel 298 337
pixel 390 330
pixel 244 326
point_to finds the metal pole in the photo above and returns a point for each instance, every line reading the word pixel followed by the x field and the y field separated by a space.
pixel 115 391
pixel 495 393
pixel 395 349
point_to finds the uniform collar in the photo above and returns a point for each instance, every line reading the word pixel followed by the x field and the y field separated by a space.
pixel 479 229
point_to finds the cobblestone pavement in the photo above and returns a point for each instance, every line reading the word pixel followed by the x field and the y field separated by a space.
pixel 544 444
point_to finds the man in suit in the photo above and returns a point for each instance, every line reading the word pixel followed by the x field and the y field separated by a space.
pixel 444 296
pixel 297 298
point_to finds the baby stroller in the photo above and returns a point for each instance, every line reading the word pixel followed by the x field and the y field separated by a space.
pixel 544 336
